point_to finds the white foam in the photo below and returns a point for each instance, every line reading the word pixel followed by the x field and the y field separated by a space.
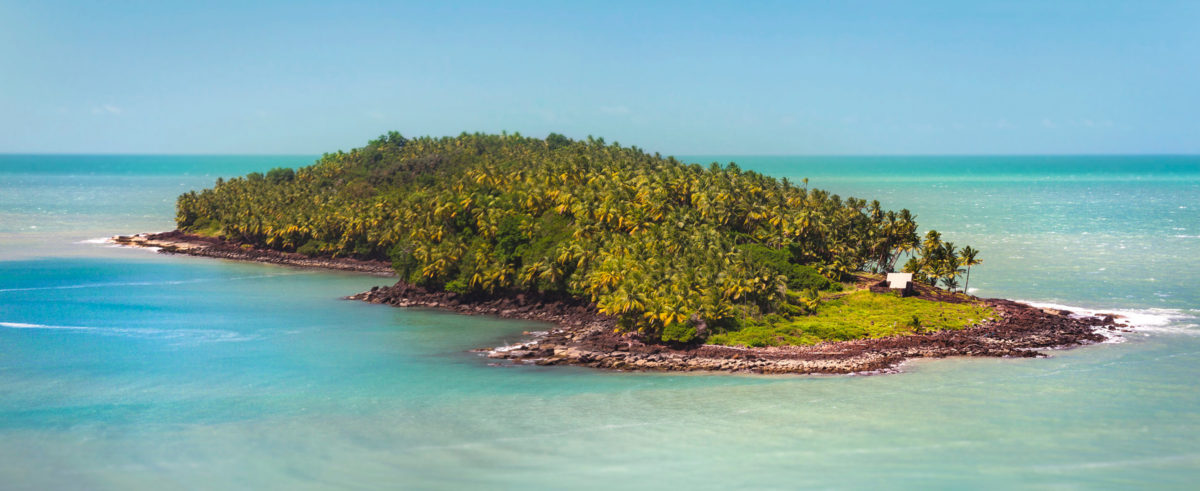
pixel 200 335
pixel 508 347
pixel 100 240
pixel 22 325
pixel 1140 320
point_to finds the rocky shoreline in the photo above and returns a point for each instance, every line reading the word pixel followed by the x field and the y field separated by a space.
pixel 582 336
pixel 586 338
pixel 177 242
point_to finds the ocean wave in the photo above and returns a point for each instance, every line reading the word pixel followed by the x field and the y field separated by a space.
pixel 180 335
pixel 1141 320
pixel 105 242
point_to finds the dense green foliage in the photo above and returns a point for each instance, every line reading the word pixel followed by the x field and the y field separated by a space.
pixel 860 314
pixel 799 276
pixel 673 250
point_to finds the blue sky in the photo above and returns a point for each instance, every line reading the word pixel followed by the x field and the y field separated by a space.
pixel 924 77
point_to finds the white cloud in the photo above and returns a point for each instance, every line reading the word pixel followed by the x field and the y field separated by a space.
pixel 107 109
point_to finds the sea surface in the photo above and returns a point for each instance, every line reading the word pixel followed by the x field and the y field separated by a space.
pixel 125 369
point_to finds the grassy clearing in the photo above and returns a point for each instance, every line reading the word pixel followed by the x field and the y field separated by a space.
pixel 857 315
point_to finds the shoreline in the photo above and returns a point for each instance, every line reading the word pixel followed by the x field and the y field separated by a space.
pixel 584 337
pixel 177 242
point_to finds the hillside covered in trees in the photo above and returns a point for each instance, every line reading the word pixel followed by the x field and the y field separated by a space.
pixel 675 251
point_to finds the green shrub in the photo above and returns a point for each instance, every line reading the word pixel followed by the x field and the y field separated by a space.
pixel 280 175
pixel 405 264
pixel 800 277
pixel 206 227
pixel 310 248
pixel 679 332
pixel 510 238
pixel 458 285
pixel 803 277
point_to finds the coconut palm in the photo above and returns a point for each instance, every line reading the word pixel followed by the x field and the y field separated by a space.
pixel 969 257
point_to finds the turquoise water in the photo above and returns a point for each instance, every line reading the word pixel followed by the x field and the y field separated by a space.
pixel 124 369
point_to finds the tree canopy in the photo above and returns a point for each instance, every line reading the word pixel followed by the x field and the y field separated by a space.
pixel 672 250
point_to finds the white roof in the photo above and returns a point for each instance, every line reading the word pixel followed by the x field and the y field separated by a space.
pixel 899 280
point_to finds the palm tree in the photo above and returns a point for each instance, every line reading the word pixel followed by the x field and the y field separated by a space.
pixel 968 258
pixel 948 268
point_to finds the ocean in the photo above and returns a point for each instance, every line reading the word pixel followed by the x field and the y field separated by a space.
pixel 125 369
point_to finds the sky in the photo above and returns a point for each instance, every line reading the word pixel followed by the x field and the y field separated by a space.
pixel 682 78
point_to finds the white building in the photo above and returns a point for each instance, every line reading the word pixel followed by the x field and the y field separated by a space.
pixel 899 281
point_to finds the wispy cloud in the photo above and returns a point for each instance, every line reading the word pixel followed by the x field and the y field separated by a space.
pixel 107 109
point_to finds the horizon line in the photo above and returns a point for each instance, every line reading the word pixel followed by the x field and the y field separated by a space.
pixel 664 155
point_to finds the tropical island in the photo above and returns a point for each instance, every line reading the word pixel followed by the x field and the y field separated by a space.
pixel 641 261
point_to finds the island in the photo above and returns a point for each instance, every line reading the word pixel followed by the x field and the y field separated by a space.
pixel 639 261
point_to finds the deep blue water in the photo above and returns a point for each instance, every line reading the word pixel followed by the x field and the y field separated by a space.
pixel 120 368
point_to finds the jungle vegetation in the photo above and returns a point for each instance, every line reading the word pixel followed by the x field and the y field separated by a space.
pixel 675 251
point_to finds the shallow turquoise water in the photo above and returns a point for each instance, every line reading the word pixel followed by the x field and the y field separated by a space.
pixel 124 369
